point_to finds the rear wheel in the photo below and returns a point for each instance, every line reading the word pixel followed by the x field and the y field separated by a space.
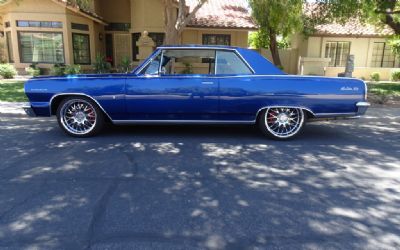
pixel 80 117
pixel 282 123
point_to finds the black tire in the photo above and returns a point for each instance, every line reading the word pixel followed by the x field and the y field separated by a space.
pixel 275 128
pixel 83 120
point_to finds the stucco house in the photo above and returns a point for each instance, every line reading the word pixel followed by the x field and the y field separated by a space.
pixel 57 31
pixel 326 51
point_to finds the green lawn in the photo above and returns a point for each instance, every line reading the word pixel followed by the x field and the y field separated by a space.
pixel 385 88
pixel 12 91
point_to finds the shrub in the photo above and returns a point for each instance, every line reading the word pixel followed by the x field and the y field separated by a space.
pixel 101 65
pixel 125 66
pixel 396 76
pixel 188 69
pixel 58 69
pixel 34 70
pixel 72 69
pixel 382 97
pixel 7 71
pixel 375 76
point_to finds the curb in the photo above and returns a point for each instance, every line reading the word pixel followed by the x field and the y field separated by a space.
pixel 12 107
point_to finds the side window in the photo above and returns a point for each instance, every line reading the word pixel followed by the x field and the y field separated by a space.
pixel 188 62
pixel 153 67
pixel 229 63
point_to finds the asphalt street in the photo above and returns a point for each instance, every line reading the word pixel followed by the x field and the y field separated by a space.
pixel 337 186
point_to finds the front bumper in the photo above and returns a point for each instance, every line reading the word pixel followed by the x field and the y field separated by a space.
pixel 362 108
pixel 29 111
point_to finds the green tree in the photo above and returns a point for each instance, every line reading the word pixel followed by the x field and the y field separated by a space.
pixel 177 15
pixel 378 12
pixel 277 18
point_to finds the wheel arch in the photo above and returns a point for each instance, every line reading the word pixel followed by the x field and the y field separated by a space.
pixel 56 100
pixel 308 112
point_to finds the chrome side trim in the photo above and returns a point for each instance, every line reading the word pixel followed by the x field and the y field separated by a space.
pixel 333 118
pixel 208 122
pixel 363 104
pixel 283 106
pixel 335 114
pixel 78 94
pixel 190 76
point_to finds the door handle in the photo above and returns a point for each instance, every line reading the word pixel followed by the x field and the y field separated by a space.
pixel 207 83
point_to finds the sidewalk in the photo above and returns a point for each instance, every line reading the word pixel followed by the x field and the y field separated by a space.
pixel 12 107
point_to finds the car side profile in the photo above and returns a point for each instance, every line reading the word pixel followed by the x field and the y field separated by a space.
pixel 196 85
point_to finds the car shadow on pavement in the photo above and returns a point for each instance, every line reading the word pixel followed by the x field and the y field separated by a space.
pixel 187 187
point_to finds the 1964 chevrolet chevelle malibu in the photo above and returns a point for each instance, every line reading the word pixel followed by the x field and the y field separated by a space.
pixel 200 85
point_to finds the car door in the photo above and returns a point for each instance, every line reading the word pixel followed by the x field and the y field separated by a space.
pixel 177 84
pixel 239 90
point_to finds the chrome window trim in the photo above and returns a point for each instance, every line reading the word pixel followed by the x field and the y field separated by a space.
pixel 161 63
pixel 161 50
pixel 247 63
pixel 215 63
pixel 139 70
pixel 77 94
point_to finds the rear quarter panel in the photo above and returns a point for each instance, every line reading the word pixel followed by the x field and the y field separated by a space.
pixel 242 97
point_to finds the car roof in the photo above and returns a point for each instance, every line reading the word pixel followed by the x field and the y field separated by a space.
pixel 196 46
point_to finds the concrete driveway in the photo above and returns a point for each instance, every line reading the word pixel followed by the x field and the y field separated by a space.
pixel 163 187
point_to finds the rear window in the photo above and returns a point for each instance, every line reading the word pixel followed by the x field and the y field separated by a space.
pixel 229 63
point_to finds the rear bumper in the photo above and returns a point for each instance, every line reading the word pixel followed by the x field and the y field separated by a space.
pixel 29 111
pixel 362 108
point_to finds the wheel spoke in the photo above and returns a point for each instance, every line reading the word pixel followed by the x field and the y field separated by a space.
pixel 284 122
pixel 78 117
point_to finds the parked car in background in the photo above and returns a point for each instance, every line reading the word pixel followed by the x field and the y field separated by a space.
pixel 196 85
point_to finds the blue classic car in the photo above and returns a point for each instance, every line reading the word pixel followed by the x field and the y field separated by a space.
pixel 196 85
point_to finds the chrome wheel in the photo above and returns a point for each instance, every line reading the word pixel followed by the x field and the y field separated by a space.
pixel 284 122
pixel 78 117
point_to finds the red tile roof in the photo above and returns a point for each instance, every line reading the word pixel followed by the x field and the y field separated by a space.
pixel 353 28
pixel 234 14
pixel 75 7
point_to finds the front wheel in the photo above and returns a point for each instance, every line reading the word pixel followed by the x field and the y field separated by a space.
pixel 80 117
pixel 282 123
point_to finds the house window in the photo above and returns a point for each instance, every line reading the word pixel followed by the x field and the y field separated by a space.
pixel 7 24
pixel 9 47
pixel 81 48
pixel 211 39
pixel 135 48
pixel 41 47
pixel 39 24
pixel 338 52
pixel 382 56
pixel 118 27
pixel 79 26
pixel 158 38
pixel 110 49
pixel 188 62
